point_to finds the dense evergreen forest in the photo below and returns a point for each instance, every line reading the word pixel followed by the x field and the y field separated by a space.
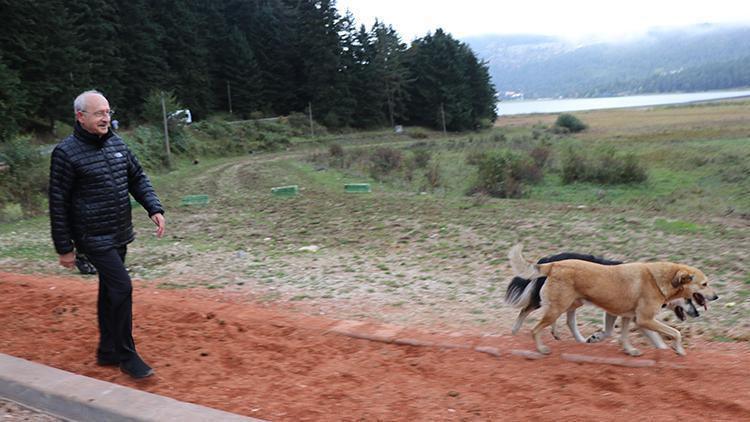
pixel 259 57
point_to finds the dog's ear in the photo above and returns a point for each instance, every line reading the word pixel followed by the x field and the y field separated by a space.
pixel 681 277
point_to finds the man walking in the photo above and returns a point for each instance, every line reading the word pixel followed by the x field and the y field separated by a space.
pixel 91 173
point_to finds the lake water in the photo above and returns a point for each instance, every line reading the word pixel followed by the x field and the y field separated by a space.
pixel 507 108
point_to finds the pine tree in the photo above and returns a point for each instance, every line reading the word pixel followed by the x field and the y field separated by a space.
pixel 97 24
pixel 145 68
pixel 236 74
pixel 389 61
pixel 446 77
pixel 39 43
pixel 11 102
pixel 186 52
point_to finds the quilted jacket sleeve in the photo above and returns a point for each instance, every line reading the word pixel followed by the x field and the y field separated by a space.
pixel 61 177
pixel 140 187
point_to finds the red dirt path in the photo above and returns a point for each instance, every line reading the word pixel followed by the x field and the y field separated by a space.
pixel 274 363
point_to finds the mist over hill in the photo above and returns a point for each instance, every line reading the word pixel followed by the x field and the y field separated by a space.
pixel 694 58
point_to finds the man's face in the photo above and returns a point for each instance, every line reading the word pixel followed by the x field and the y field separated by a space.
pixel 95 116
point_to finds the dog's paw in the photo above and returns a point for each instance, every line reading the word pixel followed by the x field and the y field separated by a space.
pixel 596 337
pixel 543 349
pixel 633 352
pixel 680 351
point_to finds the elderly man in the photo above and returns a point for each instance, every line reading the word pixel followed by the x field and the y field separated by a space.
pixel 91 173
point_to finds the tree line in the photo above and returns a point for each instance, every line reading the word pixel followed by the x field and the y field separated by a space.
pixel 264 57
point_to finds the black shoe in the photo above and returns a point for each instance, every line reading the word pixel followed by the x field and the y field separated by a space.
pixel 136 367
pixel 84 265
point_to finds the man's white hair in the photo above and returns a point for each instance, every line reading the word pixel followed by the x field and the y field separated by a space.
pixel 80 102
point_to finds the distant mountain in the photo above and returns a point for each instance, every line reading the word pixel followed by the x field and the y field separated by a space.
pixel 695 58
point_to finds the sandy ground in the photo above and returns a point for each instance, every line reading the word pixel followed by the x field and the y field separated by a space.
pixel 274 362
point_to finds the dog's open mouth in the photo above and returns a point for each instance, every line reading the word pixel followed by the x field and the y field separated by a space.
pixel 700 300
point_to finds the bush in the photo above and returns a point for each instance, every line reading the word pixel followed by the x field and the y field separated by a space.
pixel 336 151
pixel 570 122
pixel 433 176
pixel 422 157
pixel 502 173
pixel 24 178
pixel 152 110
pixel 147 143
pixel 383 161
pixel 605 167
pixel 417 134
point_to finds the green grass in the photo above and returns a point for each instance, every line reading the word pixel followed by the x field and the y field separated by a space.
pixel 677 226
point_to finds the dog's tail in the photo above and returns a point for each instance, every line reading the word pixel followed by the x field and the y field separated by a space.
pixel 520 293
pixel 523 290
pixel 522 267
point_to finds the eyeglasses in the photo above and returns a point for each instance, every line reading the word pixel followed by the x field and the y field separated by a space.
pixel 100 114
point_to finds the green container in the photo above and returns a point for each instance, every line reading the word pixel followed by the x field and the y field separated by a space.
pixel 357 188
pixel 194 200
pixel 290 190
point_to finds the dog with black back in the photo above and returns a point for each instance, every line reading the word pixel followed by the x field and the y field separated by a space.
pixel 524 293
pixel 634 291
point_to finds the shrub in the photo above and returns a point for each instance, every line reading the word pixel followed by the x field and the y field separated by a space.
pixel 540 154
pixel 336 151
pixel 570 122
pixel 147 143
pixel 502 174
pixel 383 161
pixel 25 175
pixel 422 157
pixel 474 157
pixel 433 176
pixel 152 110
pixel 604 166
pixel 417 134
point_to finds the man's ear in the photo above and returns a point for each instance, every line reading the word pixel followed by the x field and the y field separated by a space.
pixel 682 277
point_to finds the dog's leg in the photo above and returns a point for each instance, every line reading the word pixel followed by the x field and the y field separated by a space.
pixel 660 327
pixel 553 331
pixel 572 325
pixel 609 326
pixel 521 318
pixel 654 338
pixel 625 338
pixel 551 313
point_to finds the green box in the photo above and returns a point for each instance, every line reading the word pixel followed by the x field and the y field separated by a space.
pixel 357 188
pixel 290 190
pixel 194 200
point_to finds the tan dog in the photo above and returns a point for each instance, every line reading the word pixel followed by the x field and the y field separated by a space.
pixel 633 290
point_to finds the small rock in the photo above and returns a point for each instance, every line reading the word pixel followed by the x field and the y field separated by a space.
pixel 311 248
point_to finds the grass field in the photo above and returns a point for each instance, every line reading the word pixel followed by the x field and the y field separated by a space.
pixel 408 255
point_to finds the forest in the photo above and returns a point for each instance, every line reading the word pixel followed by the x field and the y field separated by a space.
pixel 250 58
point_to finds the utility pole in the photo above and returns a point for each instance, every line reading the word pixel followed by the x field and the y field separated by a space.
pixel 312 129
pixel 166 131
pixel 442 113
pixel 229 96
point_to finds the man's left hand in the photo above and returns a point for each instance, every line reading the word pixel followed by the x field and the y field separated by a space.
pixel 158 219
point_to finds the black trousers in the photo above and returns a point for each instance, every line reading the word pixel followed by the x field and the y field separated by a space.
pixel 114 306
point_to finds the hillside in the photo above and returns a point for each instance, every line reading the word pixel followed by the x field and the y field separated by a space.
pixel 693 58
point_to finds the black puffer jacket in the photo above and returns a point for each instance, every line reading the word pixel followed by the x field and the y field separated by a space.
pixel 89 206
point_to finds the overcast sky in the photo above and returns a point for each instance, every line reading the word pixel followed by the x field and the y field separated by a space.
pixel 567 18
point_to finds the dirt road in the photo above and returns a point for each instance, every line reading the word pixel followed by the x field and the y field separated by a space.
pixel 274 362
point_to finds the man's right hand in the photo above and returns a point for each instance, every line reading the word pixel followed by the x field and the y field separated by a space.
pixel 68 260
